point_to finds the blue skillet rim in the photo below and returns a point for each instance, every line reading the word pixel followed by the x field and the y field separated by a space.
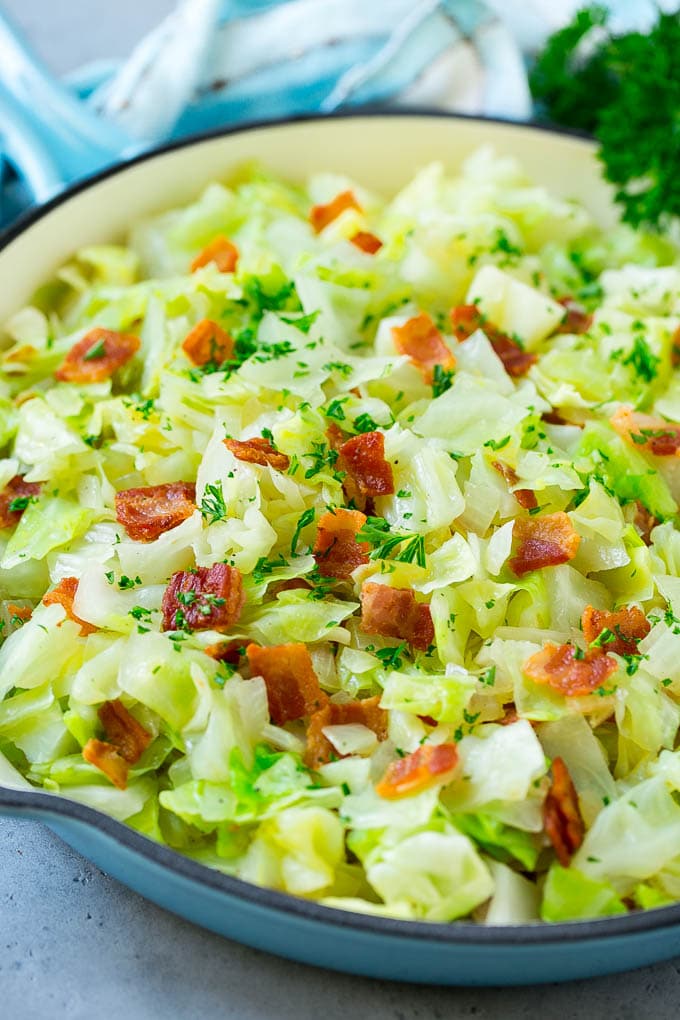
pixel 44 804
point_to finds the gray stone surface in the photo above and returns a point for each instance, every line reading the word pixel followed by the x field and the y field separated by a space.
pixel 76 944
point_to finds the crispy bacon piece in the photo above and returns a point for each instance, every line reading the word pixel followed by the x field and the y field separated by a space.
pixel 559 667
pixel 644 522
pixel 205 598
pixel 22 613
pixel 430 765
pixel 336 549
pixel 225 651
pixel 321 215
pixel 96 357
pixel 108 760
pixel 543 542
pixel 221 251
pixel 19 490
pixel 123 731
pixel 654 435
pixel 467 319
pixel 420 339
pixel 258 451
pixel 366 242
pixel 577 320
pixel 510 715
pixel 366 711
pixel 367 472
pixel 628 625
pixel 63 594
pixel 525 497
pixel 562 819
pixel 394 612
pixel 292 684
pixel 147 512
pixel 335 436
pixel 207 342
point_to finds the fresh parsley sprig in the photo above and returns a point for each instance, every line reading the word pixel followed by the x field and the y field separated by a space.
pixel 378 533
pixel 625 90
pixel 213 506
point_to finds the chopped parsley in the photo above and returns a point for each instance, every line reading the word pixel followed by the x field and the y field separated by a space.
pixel 303 322
pixel 19 504
pixel 213 507
pixel 391 658
pixel 642 360
pixel 364 423
pixel 441 380
pixel 377 531
pixel 499 444
pixel 335 409
pixel 306 518
pixel 96 351
pixel 126 582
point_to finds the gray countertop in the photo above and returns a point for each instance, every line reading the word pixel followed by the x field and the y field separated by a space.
pixel 74 943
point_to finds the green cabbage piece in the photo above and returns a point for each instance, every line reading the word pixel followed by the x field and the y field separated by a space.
pixel 569 895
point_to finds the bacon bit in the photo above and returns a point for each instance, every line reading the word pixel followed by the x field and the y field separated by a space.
pixel 63 595
pixel 516 361
pixel 557 666
pixel 662 438
pixel 205 598
pixel 366 242
pixel 19 612
pixel 510 715
pixel 420 339
pixel 335 436
pixel 258 451
pixel 394 612
pixel 367 472
pixel 292 685
pixel 525 497
pixel 675 348
pixel 148 512
pixel 225 651
pixel 207 342
pixel 577 320
pixel 644 522
pixel 108 760
pixel 562 819
pixel 428 720
pixel 366 712
pixel 336 549
pixel 123 731
pixel 430 765
pixel 321 215
pixel 220 251
pixel 96 357
pixel 467 319
pixel 16 488
pixel 628 625
pixel 543 542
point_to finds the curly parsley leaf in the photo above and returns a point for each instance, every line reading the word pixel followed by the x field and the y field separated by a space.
pixel 625 90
